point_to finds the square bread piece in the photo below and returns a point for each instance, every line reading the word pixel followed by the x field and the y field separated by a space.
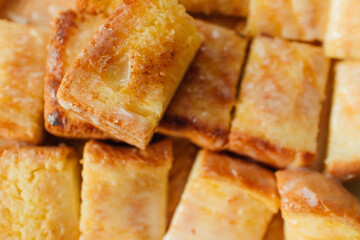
pixel 184 156
pixel 201 108
pixel 304 20
pixel 22 70
pixel 278 110
pixel 70 33
pixel 34 12
pixel 225 198
pixel 315 207
pixel 124 191
pixel 238 8
pixel 39 193
pixel 275 230
pixel 342 38
pixel 126 76
pixel 343 158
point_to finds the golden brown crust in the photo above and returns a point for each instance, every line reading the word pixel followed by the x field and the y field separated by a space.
pixel 344 170
pixel 131 109
pixel 38 154
pixel 306 191
pixel 250 176
pixel 57 120
pixel 201 108
pixel 237 8
pixel 156 154
pixel 268 153
pixel 22 63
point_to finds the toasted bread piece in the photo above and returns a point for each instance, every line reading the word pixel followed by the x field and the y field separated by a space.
pixel 275 230
pixel 39 193
pixel 316 207
pixel 125 77
pixel 184 156
pixel 237 8
pixel 225 198
pixel 70 33
pixel 201 108
pixel 278 110
pixel 34 12
pixel 106 7
pixel 343 158
pixel 124 191
pixel 304 20
pixel 233 23
pixel 342 38
pixel 22 70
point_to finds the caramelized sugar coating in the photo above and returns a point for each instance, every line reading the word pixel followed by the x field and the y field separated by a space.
pixel 278 110
pixel 201 108
pixel 225 198
pixel 343 32
pixel 22 70
pixel 124 191
pixel 70 33
pixel 304 20
pixel 316 207
pixel 343 158
pixel 39 193
pixel 237 8
pixel 125 77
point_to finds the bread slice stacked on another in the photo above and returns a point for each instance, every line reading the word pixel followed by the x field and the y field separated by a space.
pixel 123 80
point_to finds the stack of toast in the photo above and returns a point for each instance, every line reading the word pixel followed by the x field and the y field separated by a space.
pixel 179 119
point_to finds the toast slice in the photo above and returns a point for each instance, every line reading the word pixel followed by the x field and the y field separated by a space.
pixel 184 156
pixel 106 7
pixel 34 12
pixel 22 70
pixel 278 110
pixel 225 198
pixel 39 193
pixel 275 230
pixel 124 191
pixel 342 38
pixel 125 77
pixel 343 158
pixel 304 20
pixel 201 108
pixel 316 207
pixel 238 8
pixel 71 31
